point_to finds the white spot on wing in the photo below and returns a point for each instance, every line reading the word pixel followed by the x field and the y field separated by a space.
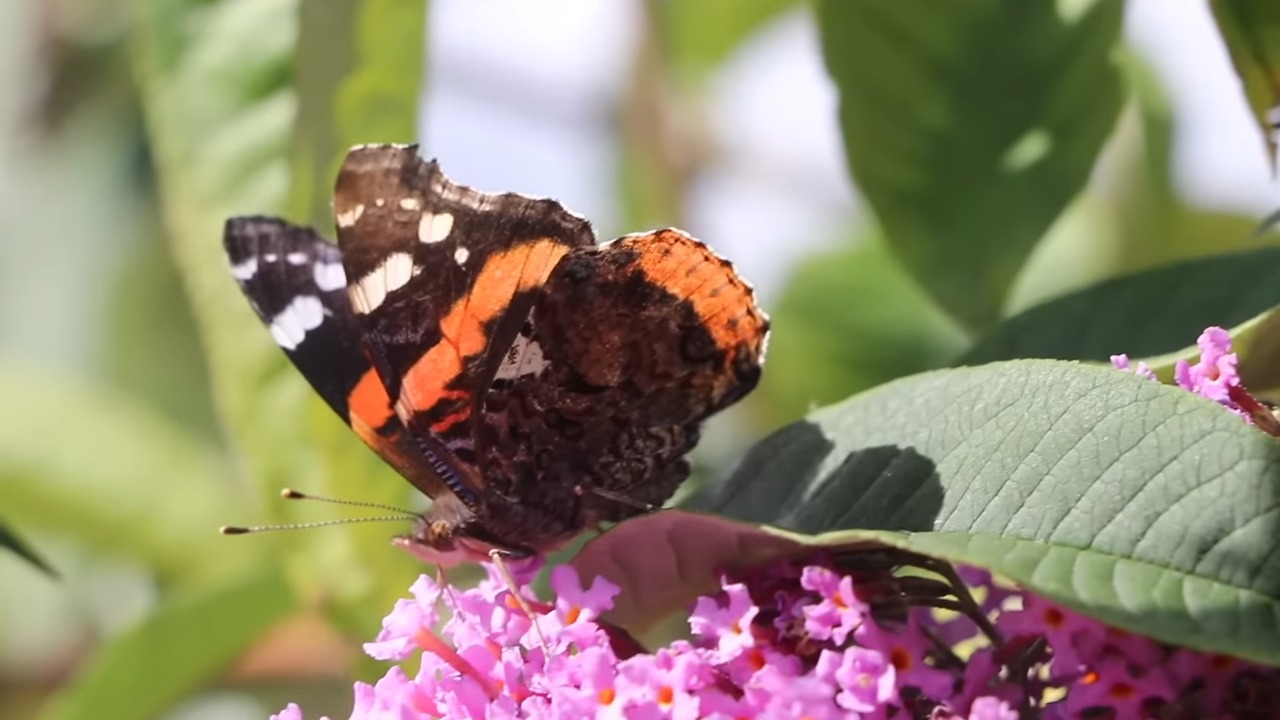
pixel 270 257
pixel 524 358
pixel 403 409
pixel 296 258
pixel 434 228
pixel 290 327
pixel 329 276
pixel 349 218
pixel 388 277
pixel 245 270
pixel 460 255
pixel 411 203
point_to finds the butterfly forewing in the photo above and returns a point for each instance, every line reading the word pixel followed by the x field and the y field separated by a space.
pixel 442 278
pixel 295 281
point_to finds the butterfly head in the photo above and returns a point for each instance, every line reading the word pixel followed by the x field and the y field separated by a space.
pixel 448 534
pixel 437 543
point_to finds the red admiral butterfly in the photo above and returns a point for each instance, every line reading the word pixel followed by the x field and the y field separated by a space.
pixel 530 382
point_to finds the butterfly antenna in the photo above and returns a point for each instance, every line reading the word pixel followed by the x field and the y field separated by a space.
pixel 247 529
pixel 496 555
pixel 288 494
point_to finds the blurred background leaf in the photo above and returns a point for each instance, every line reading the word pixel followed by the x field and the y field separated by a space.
pixel 11 541
pixel 1155 225
pixel 835 297
pixel 358 72
pixel 1251 29
pixel 153 462
pixel 969 128
pixel 1144 314
pixel 150 668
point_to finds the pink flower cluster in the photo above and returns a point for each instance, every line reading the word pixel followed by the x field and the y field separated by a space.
pixel 1215 377
pixel 791 641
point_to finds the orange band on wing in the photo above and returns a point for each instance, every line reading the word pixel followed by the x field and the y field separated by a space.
pixel 504 274
pixel 368 407
pixel 691 271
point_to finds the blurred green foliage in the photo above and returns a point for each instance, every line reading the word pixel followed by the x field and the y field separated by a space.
pixel 1251 30
pixel 147 407
pixel 969 128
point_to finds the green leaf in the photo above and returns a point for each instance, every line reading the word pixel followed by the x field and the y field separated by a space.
pixel 1145 314
pixel 16 545
pixel 181 647
pixel 137 483
pixel 1131 501
pixel 359 75
pixel 1251 30
pixel 218 88
pixel 850 320
pixel 969 128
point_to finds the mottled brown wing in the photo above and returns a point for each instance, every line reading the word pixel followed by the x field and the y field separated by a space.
pixel 628 348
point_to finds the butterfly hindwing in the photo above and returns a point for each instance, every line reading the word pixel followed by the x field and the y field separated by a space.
pixel 628 348
pixel 658 323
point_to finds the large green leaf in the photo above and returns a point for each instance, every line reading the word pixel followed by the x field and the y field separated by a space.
pixel 221 105
pixel 1135 502
pixel 970 127
pixel 1145 314
pixel 849 320
pixel 1251 29
pixel 178 649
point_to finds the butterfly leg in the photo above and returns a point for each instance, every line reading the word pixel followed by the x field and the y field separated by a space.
pixel 497 556
pixel 618 498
